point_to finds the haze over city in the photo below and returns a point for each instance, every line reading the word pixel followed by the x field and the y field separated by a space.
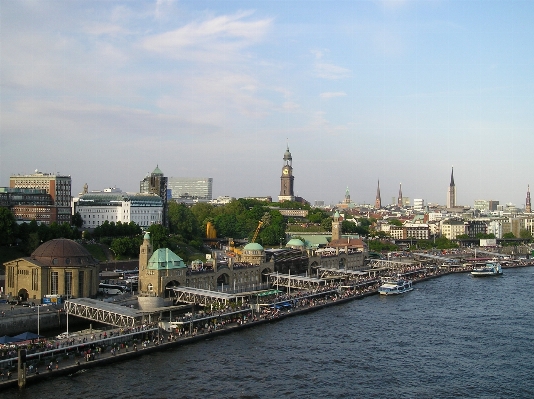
pixel 361 91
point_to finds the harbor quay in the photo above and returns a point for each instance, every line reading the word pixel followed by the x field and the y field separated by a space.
pixel 52 358
pixel 47 359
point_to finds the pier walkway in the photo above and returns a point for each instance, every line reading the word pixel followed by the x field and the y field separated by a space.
pixel 104 312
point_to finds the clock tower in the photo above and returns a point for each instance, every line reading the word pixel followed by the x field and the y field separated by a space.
pixel 286 181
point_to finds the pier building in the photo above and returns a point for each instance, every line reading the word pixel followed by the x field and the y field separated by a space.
pixel 58 267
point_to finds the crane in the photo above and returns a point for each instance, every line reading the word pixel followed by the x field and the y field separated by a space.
pixel 264 220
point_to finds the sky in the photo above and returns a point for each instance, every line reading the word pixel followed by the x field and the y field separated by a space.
pixel 360 91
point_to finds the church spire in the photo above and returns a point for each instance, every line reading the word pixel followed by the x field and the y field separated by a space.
pixel 528 206
pixel 451 192
pixel 378 200
pixel 399 200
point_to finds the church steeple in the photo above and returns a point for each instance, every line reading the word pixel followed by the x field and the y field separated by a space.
pixel 399 200
pixel 451 193
pixel 528 206
pixel 287 179
pixel 378 200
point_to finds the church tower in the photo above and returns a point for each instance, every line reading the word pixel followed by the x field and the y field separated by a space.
pixel 528 206
pixel 336 227
pixel 287 178
pixel 347 196
pixel 399 200
pixel 145 252
pixel 451 194
pixel 378 200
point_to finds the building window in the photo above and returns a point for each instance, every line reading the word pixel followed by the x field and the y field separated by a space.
pixel 35 280
pixel 68 284
pixel 80 284
pixel 54 283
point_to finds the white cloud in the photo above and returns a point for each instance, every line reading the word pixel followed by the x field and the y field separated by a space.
pixel 210 40
pixel 333 94
pixel 331 71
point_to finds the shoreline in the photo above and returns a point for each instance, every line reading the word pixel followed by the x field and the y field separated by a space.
pixel 71 368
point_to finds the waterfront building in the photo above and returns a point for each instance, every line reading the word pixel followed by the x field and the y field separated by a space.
pixel 451 194
pixel 378 199
pixel 247 269
pixel 451 228
pixel 287 179
pixel 113 205
pixel 58 267
pixel 191 189
pixel 29 205
pixel 418 231
pixel 476 226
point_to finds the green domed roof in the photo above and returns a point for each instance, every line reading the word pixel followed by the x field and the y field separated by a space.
pixel 146 236
pixel 253 246
pixel 294 242
pixel 157 171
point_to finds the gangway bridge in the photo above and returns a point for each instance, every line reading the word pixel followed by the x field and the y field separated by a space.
pixel 492 254
pixel 104 312
pixel 203 297
pixel 388 264
pixel 294 281
pixel 329 273
pixel 114 314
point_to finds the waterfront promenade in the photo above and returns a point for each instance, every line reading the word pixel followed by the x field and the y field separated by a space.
pixel 71 357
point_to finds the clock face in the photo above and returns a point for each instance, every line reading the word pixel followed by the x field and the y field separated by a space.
pixel 285 171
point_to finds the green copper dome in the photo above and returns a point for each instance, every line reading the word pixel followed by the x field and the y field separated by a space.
pixel 253 246
pixel 294 242
pixel 157 171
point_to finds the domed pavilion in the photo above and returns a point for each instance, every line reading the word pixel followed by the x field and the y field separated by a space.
pixel 59 267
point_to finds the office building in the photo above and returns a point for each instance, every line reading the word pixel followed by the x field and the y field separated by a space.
pixel 44 197
pixel 191 189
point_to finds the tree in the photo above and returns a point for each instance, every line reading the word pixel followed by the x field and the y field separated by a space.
pixel 508 236
pixel 183 221
pixel 525 234
pixel 395 222
pixel 77 220
pixel 7 226
pixel 159 236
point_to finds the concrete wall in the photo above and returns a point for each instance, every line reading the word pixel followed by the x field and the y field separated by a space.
pixel 13 324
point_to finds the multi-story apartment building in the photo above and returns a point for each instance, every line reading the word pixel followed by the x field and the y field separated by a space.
pixel 418 231
pixel 451 228
pixel 45 197
pixel 476 226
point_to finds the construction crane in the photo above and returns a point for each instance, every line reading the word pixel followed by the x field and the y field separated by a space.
pixel 264 220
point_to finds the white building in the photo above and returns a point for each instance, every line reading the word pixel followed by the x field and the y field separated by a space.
pixel 113 205
pixel 418 204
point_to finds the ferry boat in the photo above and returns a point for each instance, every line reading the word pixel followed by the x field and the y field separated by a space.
pixel 489 269
pixel 394 286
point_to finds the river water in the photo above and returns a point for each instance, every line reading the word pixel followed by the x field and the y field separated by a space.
pixel 452 337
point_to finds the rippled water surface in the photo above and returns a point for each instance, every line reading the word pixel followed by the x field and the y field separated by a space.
pixel 452 337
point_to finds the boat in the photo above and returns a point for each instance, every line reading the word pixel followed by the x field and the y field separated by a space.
pixel 489 269
pixel 394 286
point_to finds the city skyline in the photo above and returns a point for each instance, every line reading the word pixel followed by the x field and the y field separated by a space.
pixel 395 91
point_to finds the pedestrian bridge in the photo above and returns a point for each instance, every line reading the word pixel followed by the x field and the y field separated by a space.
pixel 104 312
pixel 294 281
pixel 203 297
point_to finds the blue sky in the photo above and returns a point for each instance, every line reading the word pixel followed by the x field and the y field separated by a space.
pixel 396 91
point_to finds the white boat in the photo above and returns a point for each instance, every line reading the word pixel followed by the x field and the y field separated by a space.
pixel 489 269
pixel 394 286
